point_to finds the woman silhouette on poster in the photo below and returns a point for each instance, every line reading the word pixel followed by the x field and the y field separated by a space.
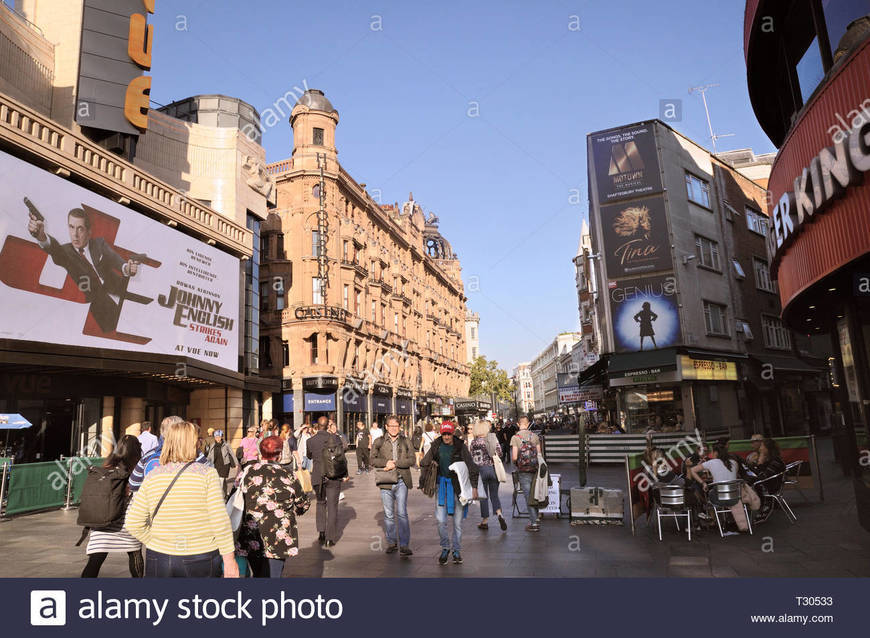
pixel 645 318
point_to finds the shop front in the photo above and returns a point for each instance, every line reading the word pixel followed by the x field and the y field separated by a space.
pixel 405 408
pixel 382 403
pixel 319 398
pixel 470 410
pixel 354 404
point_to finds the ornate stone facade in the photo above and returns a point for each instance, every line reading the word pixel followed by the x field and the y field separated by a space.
pixel 391 308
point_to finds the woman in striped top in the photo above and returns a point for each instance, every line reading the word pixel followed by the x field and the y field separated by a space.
pixel 190 534
pixel 114 538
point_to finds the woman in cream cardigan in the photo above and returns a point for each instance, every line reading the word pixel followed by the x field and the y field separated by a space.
pixel 190 534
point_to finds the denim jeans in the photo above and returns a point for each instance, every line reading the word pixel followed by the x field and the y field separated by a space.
pixel 441 516
pixel 395 502
pixel 526 479
pixel 276 566
pixel 490 488
pixel 159 565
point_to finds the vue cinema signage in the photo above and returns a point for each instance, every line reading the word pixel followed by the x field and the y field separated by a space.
pixel 829 174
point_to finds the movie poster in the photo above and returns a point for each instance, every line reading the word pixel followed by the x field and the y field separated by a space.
pixel 644 313
pixel 626 162
pixel 636 239
pixel 79 269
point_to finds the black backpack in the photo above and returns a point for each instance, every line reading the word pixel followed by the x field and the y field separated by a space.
pixel 104 497
pixel 333 459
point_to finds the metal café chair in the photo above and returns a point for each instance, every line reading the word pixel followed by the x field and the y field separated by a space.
pixel 773 490
pixel 723 496
pixel 672 503
pixel 792 473
pixel 515 498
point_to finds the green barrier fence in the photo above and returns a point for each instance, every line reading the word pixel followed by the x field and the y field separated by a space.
pixel 36 486
pixel 4 460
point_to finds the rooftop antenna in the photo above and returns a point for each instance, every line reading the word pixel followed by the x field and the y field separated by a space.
pixel 703 91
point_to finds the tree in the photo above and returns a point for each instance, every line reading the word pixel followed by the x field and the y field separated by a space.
pixel 488 379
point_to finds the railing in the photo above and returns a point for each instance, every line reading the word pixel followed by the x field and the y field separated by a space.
pixel 20 126
pixel 276 168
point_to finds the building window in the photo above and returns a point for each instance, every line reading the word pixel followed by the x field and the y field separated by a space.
pixel 396 322
pixel 762 275
pixel 374 311
pixel 316 291
pixel 404 326
pixel 383 316
pixel 714 317
pixel 707 252
pixel 312 349
pixel 473 333
pixel 264 295
pixel 743 326
pixel 318 137
pixel 279 246
pixel 738 269
pixel 264 246
pixel 344 250
pixel 776 335
pixel 279 296
pixel 698 189
pixel 345 297
pixel 285 353
pixel 756 222
pixel 357 303
pixel 315 243
pixel 252 300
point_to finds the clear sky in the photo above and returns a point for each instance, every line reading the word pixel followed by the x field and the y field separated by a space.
pixel 480 108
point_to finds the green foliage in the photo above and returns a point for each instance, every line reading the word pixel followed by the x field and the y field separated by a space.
pixel 487 378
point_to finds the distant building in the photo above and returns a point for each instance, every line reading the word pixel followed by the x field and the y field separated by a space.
pixel 524 392
pixel 584 264
pixel 472 336
pixel 544 368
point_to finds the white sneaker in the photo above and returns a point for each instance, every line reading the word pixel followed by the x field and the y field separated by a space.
pixel 732 534
pixel 340 497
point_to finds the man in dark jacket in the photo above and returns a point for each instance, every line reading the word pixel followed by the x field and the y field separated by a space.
pixel 327 490
pixel 394 451
pixel 446 451
pixel 224 461
pixel 362 447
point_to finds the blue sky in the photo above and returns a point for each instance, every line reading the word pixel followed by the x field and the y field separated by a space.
pixel 405 77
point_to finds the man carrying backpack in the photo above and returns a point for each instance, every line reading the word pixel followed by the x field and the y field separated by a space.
pixel 525 452
pixel 329 470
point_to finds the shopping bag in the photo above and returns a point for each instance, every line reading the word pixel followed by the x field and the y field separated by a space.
pixel 499 469
pixel 304 477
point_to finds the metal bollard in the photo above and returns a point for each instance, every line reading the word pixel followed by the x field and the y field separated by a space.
pixel 66 504
pixel 3 486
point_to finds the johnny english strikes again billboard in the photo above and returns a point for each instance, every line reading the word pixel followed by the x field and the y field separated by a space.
pixel 79 269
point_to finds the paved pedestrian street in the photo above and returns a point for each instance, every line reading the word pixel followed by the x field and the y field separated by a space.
pixel 826 541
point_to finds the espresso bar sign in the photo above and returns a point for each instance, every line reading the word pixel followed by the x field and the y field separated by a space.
pixel 321 312
pixel 829 174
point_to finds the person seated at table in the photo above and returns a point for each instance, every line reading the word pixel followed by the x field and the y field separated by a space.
pixel 722 466
pixel 770 464
pixel 755 440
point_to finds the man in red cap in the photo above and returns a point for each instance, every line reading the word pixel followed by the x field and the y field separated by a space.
pixel 446 451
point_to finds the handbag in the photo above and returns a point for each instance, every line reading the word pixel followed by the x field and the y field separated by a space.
pixel 387 477
pixel 500 474
pixel 236 508
pixel 150 520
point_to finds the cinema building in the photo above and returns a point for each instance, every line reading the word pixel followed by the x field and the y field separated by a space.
pixel 688 317
pixel 362 304
pixel 128 237
pixel 809 84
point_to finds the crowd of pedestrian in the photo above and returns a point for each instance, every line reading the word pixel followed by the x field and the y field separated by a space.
pixel 201 508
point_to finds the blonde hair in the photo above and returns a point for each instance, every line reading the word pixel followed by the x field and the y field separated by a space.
pixel 179 443
pixel 481 428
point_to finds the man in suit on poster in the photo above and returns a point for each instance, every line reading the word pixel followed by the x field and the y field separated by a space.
pixel 99 272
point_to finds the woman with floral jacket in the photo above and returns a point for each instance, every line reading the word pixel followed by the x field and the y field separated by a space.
pixel 273 499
